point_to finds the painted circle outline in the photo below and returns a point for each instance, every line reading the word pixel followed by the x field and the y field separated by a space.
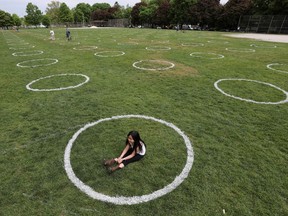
pixel 259 46
pixel 86 48
pixel 244 50
pixel 153 69
pixel 128 43
pixel 192 44
pixel 21 48
pixel 106 56
pixel 269 67
pixel 17 44
pixel 220 56
pixel 249 100
pixel 158 48
pixel 37 52
pixel 121 200
pixel 57 89
pixel 55 61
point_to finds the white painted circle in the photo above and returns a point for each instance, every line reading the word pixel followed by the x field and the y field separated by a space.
pixel 109 53
pixel 248 100
pixel 57 89
pixel 163 42
pixel 203 55
pixel 240 50
pixel 155 48
pixel 20 64
pixel 128 43
pixel 21 48
pixel 85 48
pixel 17 44
pixel 270 66
pixel 192 44
pixel 154 61
pixel 262 46
pixel 28 53
pixel 121 200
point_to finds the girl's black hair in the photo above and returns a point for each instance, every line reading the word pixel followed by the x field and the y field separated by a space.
pixel 136 137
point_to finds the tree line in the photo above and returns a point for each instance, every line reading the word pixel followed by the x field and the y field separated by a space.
pixel 208 14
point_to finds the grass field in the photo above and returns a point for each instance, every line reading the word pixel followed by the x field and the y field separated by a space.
pixel 240 147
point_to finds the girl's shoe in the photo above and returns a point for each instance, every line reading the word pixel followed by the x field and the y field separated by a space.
pixel 112 169
pixel 109 162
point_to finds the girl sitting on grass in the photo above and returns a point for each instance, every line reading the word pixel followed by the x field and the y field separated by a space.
pixel 134 150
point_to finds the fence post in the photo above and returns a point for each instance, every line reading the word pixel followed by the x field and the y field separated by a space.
pixel 238 27
pixel 282 24
pixel 259 21
pixel 270 24
pixel 247 27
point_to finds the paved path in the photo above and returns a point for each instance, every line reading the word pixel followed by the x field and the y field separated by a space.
pixel 264 37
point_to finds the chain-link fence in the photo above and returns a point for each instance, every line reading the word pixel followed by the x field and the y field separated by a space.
pixel 277 24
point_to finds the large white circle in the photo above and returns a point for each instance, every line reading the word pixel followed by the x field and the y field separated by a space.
pixel 155 48
pixel 57 89
pixel 240 50
pixel 248 100
pixel 21 48
pixel 128 43
pixel 270 66
pixel 192 44
pixel 85 48
pixel 109 53
pixel 263 46
pixel 121 200
pixel 28 53
pixel 202 55
pixel 35 60
pixel 153 69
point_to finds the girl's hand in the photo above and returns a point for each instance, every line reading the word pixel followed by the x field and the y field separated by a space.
pixel 119 160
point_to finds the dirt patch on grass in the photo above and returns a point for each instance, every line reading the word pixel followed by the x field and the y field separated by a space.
pixel 178 70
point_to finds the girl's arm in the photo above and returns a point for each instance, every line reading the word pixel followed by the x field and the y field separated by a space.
pixel 124 152
pixel 129 156
pixel 120 160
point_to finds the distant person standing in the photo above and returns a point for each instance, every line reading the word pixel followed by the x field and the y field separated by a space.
pixel 52 35
pixel 68 34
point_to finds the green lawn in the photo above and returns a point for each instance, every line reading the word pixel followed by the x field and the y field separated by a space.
pixel 240 147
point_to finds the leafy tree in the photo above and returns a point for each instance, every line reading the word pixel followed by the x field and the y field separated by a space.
pixel 5 19
pixel 162 13
pixel 206 12
pixel 16 20
pixel 117 11
pixel 65 14
pixel 99 14
pixel 86 10
pixel 181 10
pixel 46 21
pixel 232 11
pixel 127 12
pixel 135 13
pixel 100 11
pixel 78 16
pixel 34 15
pixel 278 7
pixel 261 6
pixel 101 6
pixel 53 11
pixel 147 13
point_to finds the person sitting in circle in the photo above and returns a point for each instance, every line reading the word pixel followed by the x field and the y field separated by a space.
pixel 134 150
